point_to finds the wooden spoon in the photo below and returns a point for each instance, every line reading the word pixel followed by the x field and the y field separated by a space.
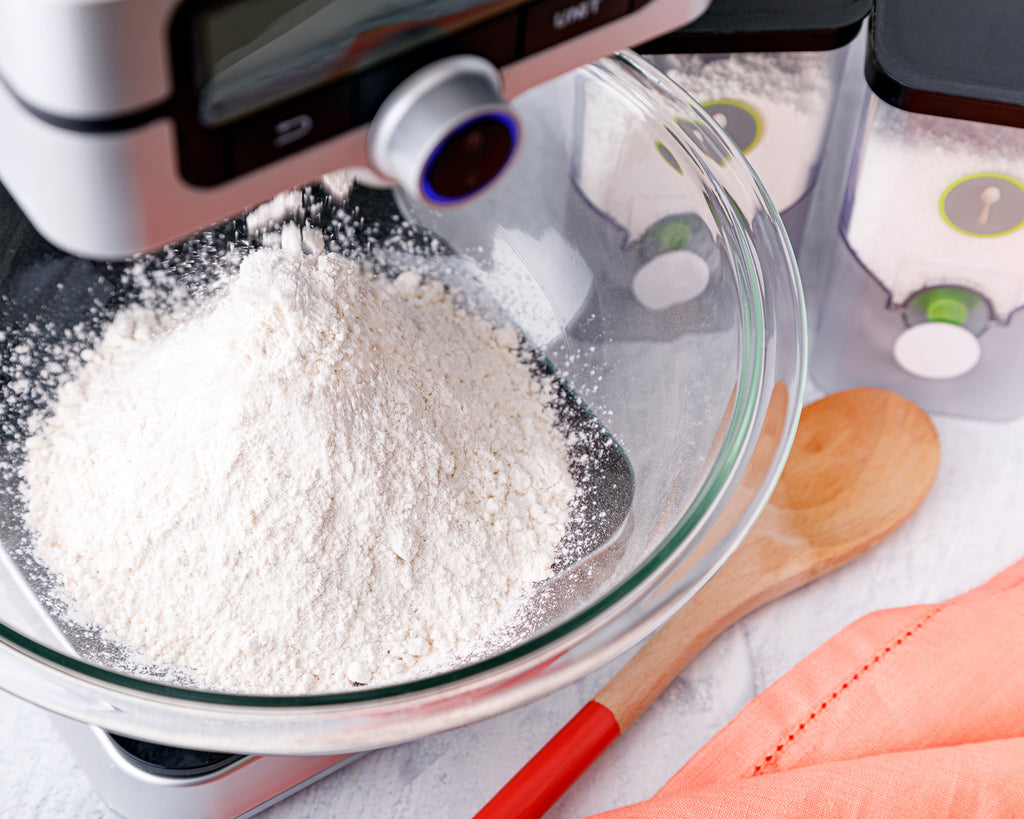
pixel 861 463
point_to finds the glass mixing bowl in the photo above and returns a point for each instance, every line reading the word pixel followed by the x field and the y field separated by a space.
pixel 643 262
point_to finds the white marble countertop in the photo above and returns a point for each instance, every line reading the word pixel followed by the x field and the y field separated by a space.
pixel 969 528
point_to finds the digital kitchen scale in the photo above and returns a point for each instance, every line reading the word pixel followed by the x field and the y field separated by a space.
pixel 156 118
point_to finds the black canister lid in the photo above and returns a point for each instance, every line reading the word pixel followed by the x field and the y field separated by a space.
pixel 766 25
pixel 950 58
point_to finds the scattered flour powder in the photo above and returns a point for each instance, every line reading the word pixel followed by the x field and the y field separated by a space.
pixel 316 479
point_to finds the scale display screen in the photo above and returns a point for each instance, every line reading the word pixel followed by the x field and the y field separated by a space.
pixel 253 53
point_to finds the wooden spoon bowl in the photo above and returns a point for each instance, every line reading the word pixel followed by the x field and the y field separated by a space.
pixel 861 463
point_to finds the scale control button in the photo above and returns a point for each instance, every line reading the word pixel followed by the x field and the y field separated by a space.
pixel 553 21
pixel 266 137
pixel 445 133
pixel 937 350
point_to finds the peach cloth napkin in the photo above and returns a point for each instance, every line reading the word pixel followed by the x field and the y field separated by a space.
pixel 908 712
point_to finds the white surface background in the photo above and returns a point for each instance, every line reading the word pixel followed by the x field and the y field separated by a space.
pixel 968 529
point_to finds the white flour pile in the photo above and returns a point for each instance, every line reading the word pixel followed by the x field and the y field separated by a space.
pixel 316 480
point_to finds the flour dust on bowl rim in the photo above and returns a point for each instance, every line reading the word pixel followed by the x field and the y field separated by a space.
pixel 646 268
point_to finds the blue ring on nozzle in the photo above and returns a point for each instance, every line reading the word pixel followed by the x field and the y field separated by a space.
pixel 428 191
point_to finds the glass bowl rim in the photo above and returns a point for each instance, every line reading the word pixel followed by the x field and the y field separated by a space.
pixel 735 443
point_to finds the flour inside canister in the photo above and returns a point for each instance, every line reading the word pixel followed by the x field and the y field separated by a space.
pixel 786 96
pixel 316 479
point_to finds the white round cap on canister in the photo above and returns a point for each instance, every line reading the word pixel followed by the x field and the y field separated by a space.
pixel 671 278
pixel 937 350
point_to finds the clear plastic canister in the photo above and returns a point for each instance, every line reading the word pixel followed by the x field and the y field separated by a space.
pixel 926 281
pixel 776 106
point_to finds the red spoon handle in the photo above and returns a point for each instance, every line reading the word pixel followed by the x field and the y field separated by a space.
pixel 548 775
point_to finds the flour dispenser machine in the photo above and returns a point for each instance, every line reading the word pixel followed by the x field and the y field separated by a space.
pixel 137 129
pixel 151 119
